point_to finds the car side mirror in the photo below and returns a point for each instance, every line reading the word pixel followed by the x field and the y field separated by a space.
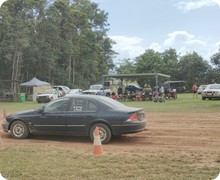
pixel 41 110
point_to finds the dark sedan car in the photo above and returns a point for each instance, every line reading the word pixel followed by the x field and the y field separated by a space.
pixel 77 115
pixel 133 88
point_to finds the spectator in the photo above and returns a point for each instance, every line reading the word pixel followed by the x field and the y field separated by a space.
pixel 194 89
pixel 161 91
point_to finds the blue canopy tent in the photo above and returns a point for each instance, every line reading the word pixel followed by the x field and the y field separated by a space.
pixel 34 83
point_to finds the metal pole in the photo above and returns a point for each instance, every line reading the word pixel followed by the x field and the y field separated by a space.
pixel 156 86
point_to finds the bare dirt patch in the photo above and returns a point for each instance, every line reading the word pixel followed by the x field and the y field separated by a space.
pixel 165 132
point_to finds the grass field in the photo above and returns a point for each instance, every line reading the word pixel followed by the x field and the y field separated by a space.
pixel 184 103
pixel 49 162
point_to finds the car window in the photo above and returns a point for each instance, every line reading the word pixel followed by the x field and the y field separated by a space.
pixel 78 105
pixel 112 103
pixel 57 106
pixel 91 106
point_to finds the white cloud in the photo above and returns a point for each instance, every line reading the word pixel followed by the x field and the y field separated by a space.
pixel 182 38
pixel 185 42
pixel 189 5
pixel 177 36
pixel 182 41
pixel 128 47
pixel 196 42
pixel 155 46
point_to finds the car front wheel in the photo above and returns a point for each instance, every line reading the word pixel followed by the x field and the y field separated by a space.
pixel 104 131
pixel 19 130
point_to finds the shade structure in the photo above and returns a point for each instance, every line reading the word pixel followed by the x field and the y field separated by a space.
pixel 34 83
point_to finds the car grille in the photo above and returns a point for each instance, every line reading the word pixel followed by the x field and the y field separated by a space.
pixel 42 97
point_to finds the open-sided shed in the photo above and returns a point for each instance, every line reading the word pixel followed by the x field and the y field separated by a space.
pixel 157 76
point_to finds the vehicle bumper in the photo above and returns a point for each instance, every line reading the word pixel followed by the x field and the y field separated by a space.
pixel 211 96
pixel 5 126
pixel 129 128
pixel 43 99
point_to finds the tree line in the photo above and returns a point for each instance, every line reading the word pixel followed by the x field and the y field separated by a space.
pixel 59 41
pixel 65 42
pixel 191 68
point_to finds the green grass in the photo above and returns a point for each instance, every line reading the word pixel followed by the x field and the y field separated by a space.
pixel 184 103
pixel 48 162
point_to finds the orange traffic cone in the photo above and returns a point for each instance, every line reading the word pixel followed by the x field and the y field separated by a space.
pixel 97 145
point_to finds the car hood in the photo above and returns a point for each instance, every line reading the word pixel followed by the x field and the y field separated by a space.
pixel 91 91
pixel 205 90
pixel 40 95
pixel 22 113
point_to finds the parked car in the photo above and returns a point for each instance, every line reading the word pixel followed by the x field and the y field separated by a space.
pixel 211 91
pixel 201 88
pixel 133 88
pixel 62 90
pixel 77 115
pixel 97 89
pixel 74 92
pixel 47 96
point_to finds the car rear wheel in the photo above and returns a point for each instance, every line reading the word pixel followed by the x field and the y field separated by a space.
pixel 104 131
pixel 19 130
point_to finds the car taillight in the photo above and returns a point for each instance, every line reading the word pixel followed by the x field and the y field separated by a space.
pixel 133 117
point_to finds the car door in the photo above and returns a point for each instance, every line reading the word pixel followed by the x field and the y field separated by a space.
pixel 53 117
pixel 81 112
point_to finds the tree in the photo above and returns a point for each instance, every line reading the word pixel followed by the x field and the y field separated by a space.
pixel 215 59
pixel 193 68
pixel 170 59
pixel 60 41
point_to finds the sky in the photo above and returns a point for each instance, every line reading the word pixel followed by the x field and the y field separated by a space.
pixel 185 25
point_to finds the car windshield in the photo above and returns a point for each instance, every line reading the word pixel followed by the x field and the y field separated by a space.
pixel 73 91
pixel 56 106
pixel 95 87
pixel 48 91
pixel 65 88
pixel 214 86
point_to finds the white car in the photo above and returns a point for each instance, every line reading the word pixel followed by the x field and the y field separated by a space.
pixel 212 91
pixel 62 90
pixel 97 89
pixel 201 88
pixel 47 96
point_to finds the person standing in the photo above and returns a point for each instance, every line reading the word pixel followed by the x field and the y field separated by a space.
pixel 195 88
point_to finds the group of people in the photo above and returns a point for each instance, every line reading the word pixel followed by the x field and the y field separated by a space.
pixel 146 94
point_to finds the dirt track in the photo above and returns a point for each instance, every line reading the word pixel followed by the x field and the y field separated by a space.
pixel 165 131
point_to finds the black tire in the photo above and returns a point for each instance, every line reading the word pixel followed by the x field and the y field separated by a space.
pixel 203 98
pixel 19 130
pixel 104 131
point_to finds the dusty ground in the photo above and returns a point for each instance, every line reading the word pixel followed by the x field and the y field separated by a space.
pixel 165 132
